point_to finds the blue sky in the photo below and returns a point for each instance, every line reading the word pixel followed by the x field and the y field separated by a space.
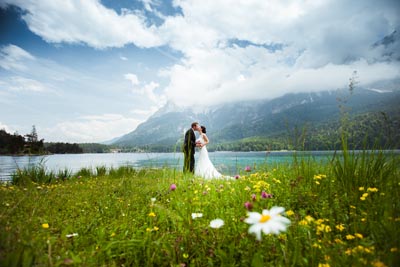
pixel 91 70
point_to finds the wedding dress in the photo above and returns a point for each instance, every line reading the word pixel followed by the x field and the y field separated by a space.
pixel 204 167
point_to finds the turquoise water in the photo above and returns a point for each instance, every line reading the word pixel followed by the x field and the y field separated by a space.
pixel 228 163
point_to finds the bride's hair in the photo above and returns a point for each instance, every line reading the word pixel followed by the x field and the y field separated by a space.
pixel 203 129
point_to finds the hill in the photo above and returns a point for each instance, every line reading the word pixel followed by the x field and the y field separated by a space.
pixel 293 121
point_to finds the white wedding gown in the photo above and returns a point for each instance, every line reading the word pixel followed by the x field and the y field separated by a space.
pixel 204 167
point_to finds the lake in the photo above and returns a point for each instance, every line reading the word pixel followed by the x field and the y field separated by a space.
pixel 228 163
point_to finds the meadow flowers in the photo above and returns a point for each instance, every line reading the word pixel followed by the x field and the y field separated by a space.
pixel 269 222
pixel 197 215
pixel 172 187
pixel 247 169
pixel 248 205
pixel 217 223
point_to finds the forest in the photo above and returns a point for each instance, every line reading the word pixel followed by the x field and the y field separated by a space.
pixel 30 144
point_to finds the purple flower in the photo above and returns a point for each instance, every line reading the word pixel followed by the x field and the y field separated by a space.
pixel 248 205
pixel 265 195
pixel 253 197
pixel 237 176
pixel 172 187
pixel 247 169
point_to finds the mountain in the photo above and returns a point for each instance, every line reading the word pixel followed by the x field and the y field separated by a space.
pixel 262 119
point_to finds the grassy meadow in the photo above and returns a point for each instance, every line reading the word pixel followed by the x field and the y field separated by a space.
pixel 343 212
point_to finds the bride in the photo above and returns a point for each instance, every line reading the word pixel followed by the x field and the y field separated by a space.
pixel 204 167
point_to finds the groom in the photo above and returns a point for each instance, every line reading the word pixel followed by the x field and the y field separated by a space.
pixel 189 146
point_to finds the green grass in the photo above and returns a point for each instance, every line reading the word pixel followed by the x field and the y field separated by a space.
pixel 343 212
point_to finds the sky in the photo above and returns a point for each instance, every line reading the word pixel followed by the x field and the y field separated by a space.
pixel 89 70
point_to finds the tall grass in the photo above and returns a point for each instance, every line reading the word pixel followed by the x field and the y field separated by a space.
pixel 130 217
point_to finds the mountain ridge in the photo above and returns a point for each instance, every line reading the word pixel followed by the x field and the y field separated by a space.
pixel 259 118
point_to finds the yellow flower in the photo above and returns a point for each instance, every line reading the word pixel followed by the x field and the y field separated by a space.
pixel 394 249
pixel 45 226
pixel 340 227
pixel 337 240
pixel 185 255
pixel 372 189
pixel 378 264
pixel 365 194
pixel 323 265
pixel 350 237
pixel 359 235
pixel 309 218
pixel 361 188
pixel 155 228
pixel 152 214
pixel 112 234
pixel 303 222
pixel 289 213
pixel 148 229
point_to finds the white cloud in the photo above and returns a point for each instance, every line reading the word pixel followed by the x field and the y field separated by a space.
pixel 6 128
pixel 320 44
pixel 132 78
pixel 18 84
pixel 86 22
pixel 146 90
pixel 12 57
pixel 91 128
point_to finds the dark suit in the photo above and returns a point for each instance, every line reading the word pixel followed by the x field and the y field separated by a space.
pixel 189 146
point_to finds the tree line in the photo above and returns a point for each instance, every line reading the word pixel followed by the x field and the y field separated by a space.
pixel 30 144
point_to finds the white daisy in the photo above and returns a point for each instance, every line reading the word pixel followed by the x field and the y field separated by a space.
pixel 71 235
pixel 269 222
pixel 197 215
pixel 217 223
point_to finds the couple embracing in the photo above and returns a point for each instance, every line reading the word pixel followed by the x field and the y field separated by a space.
pixel 204 167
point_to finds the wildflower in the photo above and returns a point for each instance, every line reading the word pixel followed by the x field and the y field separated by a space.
pixel 350 237
pixel 372 189
pixel 361 188
pixel 71 235
pixel 196 215
pixel 269 221
pixel 364 196
pixel 217 223
pixel 237 176
pixel 378 264
pixel 155 228
pixel 309 218
pixel 394 249
pixel 152 214
pixel 248 205
pixel 45 225
pixel 172 187
pixel 358 235
pixel 185 255
pixel 247 169
pixel 338 241
pixel 340 227
pixel 323 265
pixel 289 213
pixel 265 195
pixel 303 222
pixel 153 199
pixel 253 197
